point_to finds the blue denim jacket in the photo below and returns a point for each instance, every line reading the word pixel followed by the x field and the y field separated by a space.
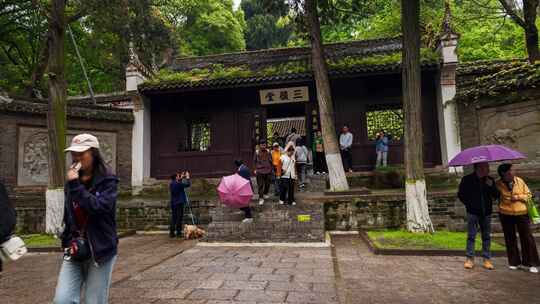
pixel 382 144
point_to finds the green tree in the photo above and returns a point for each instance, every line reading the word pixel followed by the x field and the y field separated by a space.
pixel 204 27
pixel 267 24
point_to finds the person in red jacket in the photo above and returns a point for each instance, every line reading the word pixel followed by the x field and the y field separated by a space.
pixel 263 171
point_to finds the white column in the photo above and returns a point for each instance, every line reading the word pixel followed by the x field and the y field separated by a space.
pixel 446 108
pixel 140 145
pixel 140 159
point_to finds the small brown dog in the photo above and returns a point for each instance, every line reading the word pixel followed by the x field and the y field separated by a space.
pixel 193 232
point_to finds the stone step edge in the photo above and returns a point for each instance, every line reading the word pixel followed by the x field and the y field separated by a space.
pixel 326 244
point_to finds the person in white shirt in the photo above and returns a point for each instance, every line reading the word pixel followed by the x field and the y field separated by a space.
pixel 288 176
pixel 345 145
pixel 301 156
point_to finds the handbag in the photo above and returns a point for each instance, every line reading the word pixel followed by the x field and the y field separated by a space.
pixel 12 249
pixel 533 211
pixel 79 249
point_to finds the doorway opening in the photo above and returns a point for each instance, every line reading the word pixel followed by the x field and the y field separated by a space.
pixel 281 119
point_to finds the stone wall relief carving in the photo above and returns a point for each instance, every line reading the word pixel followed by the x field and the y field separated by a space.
pixel 32 160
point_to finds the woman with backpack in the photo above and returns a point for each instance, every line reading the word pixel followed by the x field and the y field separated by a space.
pixel 89 239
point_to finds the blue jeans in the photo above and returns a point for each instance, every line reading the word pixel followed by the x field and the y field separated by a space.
pixel 473 223
pixel 76 275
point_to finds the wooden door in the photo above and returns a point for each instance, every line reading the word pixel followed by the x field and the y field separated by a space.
pixel 246 137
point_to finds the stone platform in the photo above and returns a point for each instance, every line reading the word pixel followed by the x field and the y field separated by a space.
pixel 271 223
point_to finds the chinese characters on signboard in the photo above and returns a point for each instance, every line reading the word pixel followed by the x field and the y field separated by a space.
pixel 284 95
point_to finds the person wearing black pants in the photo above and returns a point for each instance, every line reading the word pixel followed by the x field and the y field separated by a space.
pixel 179 182
pixel 513 212
pixel 286 191
pixel 288 176
pixel 345 145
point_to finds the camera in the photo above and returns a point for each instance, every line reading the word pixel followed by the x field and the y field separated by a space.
pixel 78 250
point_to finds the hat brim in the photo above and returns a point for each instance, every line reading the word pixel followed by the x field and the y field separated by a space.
pixel 77 149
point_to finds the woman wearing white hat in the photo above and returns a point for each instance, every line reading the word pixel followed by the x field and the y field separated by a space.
pixel 89 238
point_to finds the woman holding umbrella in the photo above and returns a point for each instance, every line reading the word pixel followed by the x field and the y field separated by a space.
pixel 477 191
pixel 514 216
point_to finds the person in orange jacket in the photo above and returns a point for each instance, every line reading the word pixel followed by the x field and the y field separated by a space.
pixel 276 162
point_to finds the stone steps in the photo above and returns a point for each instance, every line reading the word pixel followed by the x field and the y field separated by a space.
pixel 271 223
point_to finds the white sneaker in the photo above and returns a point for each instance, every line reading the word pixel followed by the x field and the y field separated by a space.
pixel 281 202
pixel 513 267
pixel 266 196
pixel 533 269
pixel 261 201
pixel 247 220
pixel 293 203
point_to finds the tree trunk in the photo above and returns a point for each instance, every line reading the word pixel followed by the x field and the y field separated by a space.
pixel 531 31
pixel 39 69
pixel 336 173
pixel 418 219
pixel 56 115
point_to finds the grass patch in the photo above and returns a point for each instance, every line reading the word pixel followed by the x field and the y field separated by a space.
pixel 40 240
pixel 442 240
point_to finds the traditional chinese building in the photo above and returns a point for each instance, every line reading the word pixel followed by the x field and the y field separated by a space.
pixel 204 112
pixel 201 113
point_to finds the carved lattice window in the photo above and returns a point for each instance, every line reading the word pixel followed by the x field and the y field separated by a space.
pixel 199 135
pixel 385 117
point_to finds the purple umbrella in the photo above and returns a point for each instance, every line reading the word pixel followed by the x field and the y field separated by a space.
pixel 482 154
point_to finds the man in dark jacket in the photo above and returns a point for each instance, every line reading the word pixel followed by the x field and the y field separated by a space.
pixel 7 217
pixel 477 192
pixel 179 183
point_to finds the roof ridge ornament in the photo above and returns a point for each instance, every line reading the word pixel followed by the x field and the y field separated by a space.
pixel 136 63
pixel 447 24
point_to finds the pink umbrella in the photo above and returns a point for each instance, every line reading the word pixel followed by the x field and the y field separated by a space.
pixel 235 191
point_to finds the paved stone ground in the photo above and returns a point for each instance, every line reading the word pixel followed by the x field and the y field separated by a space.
pixel 33 278
pixel 152 269
pixel 366 278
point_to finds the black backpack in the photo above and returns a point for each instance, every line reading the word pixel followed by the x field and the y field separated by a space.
pixel 8 216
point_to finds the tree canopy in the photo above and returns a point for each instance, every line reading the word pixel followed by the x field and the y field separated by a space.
pixel 161 28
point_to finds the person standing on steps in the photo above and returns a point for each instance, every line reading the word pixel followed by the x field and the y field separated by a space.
pixel 381 148
pixel 301 157
pixel 89 238
pixel 514 217
pixel 320 159
pixel 477 192
pixel 345 145
pixel 276 162
pixel 263 171
pixel 288 176
pixel 179 182
pixel 244 172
